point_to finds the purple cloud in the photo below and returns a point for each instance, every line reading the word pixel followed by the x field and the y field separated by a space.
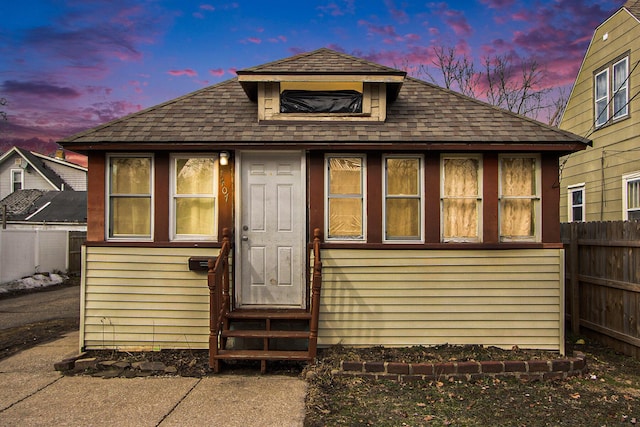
pixel 217 72
pixel 382 30
pixel 37 88
pixel 334 9
pixel 398 14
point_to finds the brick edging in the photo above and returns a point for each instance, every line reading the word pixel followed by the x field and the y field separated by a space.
pixel 553 369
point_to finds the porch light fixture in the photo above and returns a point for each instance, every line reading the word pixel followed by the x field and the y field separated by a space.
pixel 224 158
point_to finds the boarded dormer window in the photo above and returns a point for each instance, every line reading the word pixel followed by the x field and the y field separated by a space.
pixel 321 97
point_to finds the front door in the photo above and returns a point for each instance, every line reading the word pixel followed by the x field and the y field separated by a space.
pixel 271 232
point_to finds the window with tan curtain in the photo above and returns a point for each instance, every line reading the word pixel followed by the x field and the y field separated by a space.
pixel 403 198
pixel 345 197
pixel 194 201
pixel 130 197
pixel 461 199
pixel 519 198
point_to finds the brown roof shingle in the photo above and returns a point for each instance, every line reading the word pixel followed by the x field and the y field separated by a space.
pixel 422 113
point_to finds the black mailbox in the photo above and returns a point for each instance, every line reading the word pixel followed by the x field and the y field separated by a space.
pixel 200 263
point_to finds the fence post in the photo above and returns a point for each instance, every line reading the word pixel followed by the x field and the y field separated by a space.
pixel 575 283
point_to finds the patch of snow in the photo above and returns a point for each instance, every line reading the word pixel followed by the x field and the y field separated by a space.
pixel 33 282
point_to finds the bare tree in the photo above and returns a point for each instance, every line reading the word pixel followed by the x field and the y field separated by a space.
pixel 458 71
pixel 515 88
pixel 506 81
pixel 3 115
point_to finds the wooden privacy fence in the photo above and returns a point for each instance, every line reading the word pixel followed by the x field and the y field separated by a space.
pixel 602 289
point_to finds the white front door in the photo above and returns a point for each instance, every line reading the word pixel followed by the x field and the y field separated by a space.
pixel 271 230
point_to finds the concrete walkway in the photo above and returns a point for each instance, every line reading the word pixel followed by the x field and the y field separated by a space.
pixel 34 394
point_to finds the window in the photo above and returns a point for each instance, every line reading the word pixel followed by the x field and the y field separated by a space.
pixel 129 191
pixel 345 197
pixel 518 198
pixel 321 97
pixel 602 97
pixel 631 196
pixel 193 192
pixel 576 203
pixel 620 88
pixel 611 92
pixel 17 179
pixel 461 198
pixel 403 198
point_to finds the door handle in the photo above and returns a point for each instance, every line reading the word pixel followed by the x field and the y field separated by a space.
pixel 245 238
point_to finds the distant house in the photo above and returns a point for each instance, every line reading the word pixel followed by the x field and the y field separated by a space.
pixel 43 212
pixel 438 215
pixel 603 182
pixel 26 170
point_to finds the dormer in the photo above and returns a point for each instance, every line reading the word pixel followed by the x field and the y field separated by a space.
pixel 323 85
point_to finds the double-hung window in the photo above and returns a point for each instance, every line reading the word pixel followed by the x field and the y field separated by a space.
pixel 193 193
pixel 519 198
pixel 17 179
pixel 631 196
pixel 130 194
pixel 345 189
pixel 403 193
pixel 620 88
pixel 576 203
pixel 461 198
pixel 611 92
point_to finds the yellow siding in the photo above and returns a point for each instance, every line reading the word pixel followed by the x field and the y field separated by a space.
pixel 615 147
pixel 144 298
pixel 403 297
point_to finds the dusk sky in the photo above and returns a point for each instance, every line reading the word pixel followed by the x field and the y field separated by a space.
pixel 68 65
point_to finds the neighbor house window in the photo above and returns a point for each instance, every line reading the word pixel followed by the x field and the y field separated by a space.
pixel 576 203
pixel 130 196
pixel 519 198
pixel 611 92
pixel 403 195
pixel 193 193
pixel 17 179
pixel 631 196
pixel 461 198
pixel 345 197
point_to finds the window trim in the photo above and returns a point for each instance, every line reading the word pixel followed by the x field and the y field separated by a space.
pixel 479 199
pixel 635 176
pixel 107 222
pixel 173 235
pixel 570 190
pixel 536 198
pixel 420 197
pixel 363 186
pixel 13 181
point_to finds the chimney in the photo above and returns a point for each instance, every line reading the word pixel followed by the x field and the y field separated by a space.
pixel 60 153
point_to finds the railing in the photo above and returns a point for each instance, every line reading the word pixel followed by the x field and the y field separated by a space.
pixel 219 301
pixel 316 286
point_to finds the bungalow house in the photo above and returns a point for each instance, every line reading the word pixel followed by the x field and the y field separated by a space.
pixel 603 182
pixel 425 217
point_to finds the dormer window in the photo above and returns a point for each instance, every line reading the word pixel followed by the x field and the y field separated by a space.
pixel 321 97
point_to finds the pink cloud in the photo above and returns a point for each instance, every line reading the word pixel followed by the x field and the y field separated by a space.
pixel 254 40
pixel 382 30
pixel 398 14
pixel 458 23
pixel 217 72
pixel 412 37
pixel 207 7
pixel 232 70
pixel 198 15
pixel 186 72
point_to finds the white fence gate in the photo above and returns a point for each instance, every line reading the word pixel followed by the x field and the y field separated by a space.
pixel 25 252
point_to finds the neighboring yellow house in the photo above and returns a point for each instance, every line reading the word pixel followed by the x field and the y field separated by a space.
pixel 602 183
